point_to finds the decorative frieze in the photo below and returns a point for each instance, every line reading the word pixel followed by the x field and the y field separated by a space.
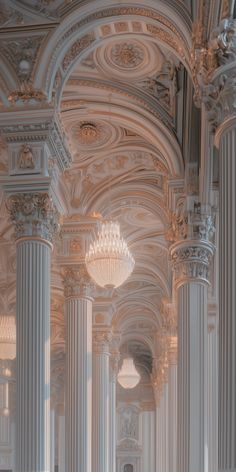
pixel 34 134
pixel 34 215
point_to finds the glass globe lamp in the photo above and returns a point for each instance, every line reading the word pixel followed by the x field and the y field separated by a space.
pixel 128 376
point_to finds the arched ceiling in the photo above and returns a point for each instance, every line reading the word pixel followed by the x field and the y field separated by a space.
pixel 116 74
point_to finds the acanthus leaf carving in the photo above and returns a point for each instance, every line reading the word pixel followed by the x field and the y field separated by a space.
pixel 34 215
pixel 77 282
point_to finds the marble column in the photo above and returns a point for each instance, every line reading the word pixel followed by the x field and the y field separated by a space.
pixel 148 441
pixel 213 396
pixel 100 408
pixel 52 440
pixel 162 447
pixel 61 442
pixel 78 401
pixel 114 364
pixel 227 297
pixel 191 264
pixel 172 405
pixel 35 220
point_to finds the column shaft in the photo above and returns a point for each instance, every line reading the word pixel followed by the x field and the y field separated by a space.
pixel 192 361
pixel 213 399
pixel 100 434
pixel 52 441
pixel 227 303
pixel 61 443
pixel 33 356
pixel 148 441
pixel 172 417
pixel 112 421
pixel 78 385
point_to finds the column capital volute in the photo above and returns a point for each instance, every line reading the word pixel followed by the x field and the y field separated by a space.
pixel 34 216
pixel 77 282
pixel 191 261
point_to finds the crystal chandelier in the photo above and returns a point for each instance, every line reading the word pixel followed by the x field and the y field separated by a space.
pixel 128 376
pixel 108 260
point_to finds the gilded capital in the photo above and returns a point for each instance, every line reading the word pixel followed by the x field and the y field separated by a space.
pixel 77 283
pixel 34 215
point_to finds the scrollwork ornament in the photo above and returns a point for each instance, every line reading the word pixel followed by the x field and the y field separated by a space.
pixel 34 215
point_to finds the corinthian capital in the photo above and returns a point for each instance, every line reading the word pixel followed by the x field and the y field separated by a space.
pixel 34 215
pixel 101 341
pixel 77 282
pixel 191 261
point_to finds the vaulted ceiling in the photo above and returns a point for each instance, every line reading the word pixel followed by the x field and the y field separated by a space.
pixel 119 76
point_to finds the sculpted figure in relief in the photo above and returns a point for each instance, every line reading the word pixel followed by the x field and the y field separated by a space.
pixel 128 424
pixel 128 468
pixel 26 158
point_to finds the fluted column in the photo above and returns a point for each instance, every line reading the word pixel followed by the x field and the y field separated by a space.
pixel 78 401
pixel 227 300
pixel 191 264
pixel 148 440
pixel 35 222
pixel 100 435
pixel 114 363
pixel 162 446
pixel 61 442
pixel 221 105
pixel 172 405
pixel 213 396
pixel 52 440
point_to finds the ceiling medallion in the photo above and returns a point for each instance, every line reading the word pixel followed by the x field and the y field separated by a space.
pixel 127 55
pixel 89 133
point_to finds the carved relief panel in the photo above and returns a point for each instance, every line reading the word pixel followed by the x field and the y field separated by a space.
pixel 129 423
pixel 28 158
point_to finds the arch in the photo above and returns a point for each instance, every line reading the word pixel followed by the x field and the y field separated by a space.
pixel 78 31
pixel 144 123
